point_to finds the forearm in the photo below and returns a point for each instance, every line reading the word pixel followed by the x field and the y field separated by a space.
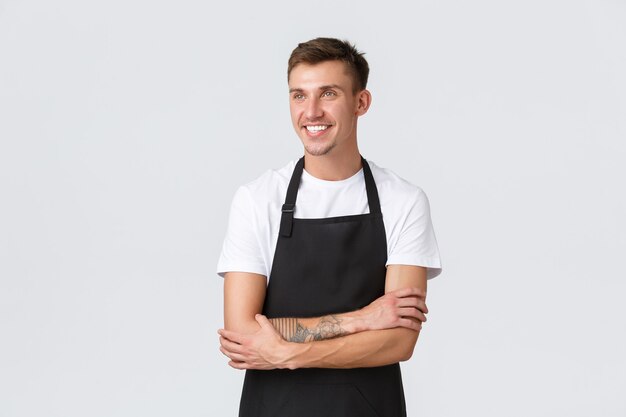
pixel 301 330
pixel 386 332
pixel 364 349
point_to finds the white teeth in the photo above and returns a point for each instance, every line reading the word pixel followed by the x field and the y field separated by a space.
pixel 316 128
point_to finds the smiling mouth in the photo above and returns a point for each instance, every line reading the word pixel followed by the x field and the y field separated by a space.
pixel 316 128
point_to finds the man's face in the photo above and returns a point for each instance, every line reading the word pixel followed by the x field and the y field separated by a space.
pixel 324 110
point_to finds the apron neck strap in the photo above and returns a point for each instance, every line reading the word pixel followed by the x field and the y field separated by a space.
pixel 286 221
pixel 370 187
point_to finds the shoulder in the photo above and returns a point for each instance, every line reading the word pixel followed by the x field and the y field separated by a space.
pixel 270 187
pixel 393 189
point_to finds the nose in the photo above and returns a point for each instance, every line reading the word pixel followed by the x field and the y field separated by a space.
pixel 313 109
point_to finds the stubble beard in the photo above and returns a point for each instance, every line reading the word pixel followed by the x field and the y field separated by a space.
pixel 319 149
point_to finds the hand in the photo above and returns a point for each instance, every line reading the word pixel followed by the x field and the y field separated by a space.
pixel 261 350
pixel 400 308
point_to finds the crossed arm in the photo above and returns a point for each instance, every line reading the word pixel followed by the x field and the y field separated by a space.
pixel 381 333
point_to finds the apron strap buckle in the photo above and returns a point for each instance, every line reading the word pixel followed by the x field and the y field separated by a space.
pixel 286 220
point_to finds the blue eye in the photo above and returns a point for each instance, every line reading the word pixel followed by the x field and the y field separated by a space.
pixel 329 94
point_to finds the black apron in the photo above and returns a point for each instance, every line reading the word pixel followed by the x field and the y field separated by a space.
pixel 320 267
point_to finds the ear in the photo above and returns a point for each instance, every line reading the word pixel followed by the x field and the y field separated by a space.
pixel 364 99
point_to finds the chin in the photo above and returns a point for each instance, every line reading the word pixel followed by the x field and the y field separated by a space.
pixel 319 149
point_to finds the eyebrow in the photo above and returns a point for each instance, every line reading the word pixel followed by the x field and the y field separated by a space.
pixel 323 87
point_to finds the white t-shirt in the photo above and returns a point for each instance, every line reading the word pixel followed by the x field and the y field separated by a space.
pixel 255 215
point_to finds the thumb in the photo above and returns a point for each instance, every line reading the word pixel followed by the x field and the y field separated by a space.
pixel 263 321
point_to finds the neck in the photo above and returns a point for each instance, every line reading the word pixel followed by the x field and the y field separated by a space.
pixel 333 167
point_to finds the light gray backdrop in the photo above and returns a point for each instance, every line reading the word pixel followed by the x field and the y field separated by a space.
pixel 126 127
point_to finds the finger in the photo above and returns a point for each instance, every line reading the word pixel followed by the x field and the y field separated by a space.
pixel 231 335
pixel 409 292
pixel 231 346
pixel 263 321
pixel 227 352
pixel 232 355
pixel 412 312
pixel 238 365
pixel 413 302
pixel 404 292
pixel 410 324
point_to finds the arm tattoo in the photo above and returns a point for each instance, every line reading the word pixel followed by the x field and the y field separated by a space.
pixel 293 331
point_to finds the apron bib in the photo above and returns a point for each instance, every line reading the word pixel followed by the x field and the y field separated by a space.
pixel 325 266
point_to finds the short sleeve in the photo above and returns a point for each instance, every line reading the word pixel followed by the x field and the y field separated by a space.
pixel 241 250
pixel 416 243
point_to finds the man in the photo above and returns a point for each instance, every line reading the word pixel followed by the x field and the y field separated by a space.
pixel 347 246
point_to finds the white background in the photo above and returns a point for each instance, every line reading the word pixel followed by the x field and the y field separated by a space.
pixel 126 126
